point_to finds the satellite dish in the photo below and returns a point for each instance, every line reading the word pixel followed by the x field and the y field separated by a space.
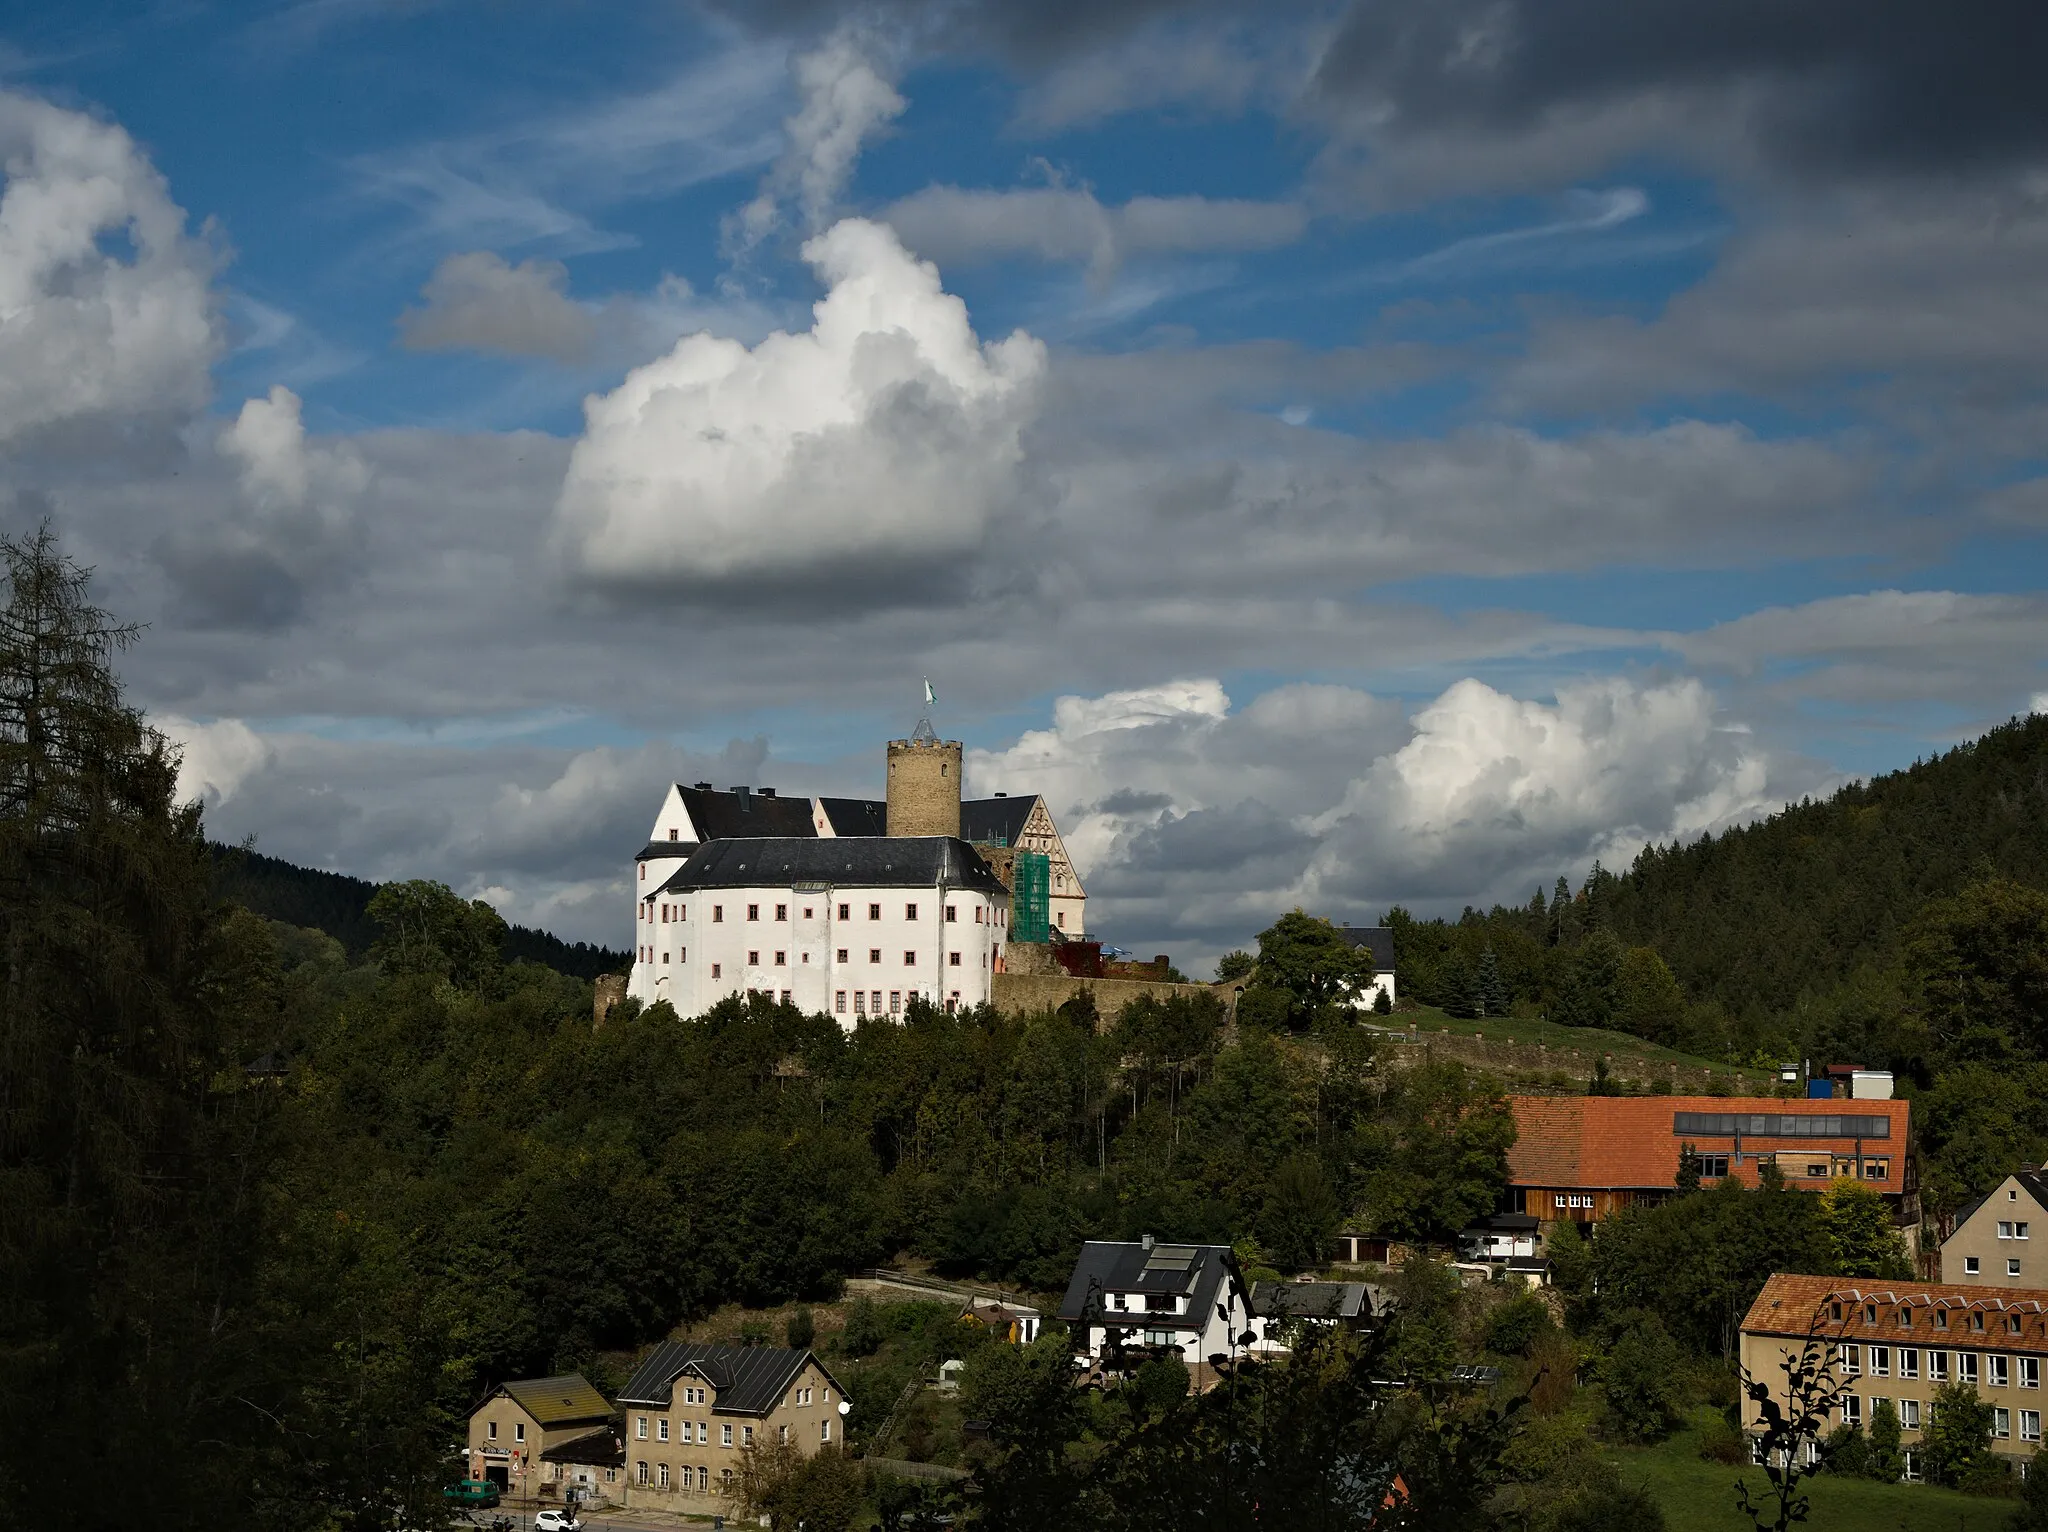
pixel 845 1407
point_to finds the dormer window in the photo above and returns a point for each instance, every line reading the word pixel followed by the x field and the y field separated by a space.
pixel 674 835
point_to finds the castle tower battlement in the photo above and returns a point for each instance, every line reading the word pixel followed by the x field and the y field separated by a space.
pixel 924 786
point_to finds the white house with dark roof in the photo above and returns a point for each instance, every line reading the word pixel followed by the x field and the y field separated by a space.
pixel 1379 942
pixel 851 927
pixel 1191 1298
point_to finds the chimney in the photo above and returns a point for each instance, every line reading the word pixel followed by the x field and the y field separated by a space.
pixel 1002 795
pixel 746 803
pixel 767 792
pixel 702 787
pixel 1145 1240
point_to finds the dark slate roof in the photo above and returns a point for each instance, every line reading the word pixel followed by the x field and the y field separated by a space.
pixel 654 850
pixel 1313 1300
pixel 1379 940
pixel 749 1380
pixel 1197 1270
pixel 920 861
pixel 856 816
pixel 600 1448
pixel 726 816
pixel 2033 1182
pixel 996 821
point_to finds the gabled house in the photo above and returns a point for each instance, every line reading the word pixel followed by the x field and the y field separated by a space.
pixel 1993 1242
pixel 690 1409
pixel 1352 1305
pixel 1187 1298
pixel 517 1424
pixel 1378 941
pixel 1009 1322
pixel 1510 1240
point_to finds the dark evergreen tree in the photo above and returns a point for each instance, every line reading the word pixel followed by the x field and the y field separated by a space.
pixel 126 1151
pixel 1492 989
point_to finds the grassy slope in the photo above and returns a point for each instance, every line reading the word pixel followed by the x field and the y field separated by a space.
pixel 1700 1497
pixel 1560 1040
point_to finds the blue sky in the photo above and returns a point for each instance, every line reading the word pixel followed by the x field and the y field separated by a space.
pixel 1468 439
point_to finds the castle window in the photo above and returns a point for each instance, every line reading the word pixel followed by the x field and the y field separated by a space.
pixel 782 912
pixel 874 912
pixel 672 835
pixel 807 912
pixel 753 912
pixel 874 954
pixel 953 960
pixel 846 912
pixel 910 960
pixel 754 959
pixel 842 954
pixel 860 1002
pixel 950 915
pixel 839 1001
pixel 895 1001
pixel 717 914
pixel 715 967
pixel 782 960
pixel 643 872
pixel 910 912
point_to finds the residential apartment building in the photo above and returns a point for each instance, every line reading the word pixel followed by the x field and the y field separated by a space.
pixel 1190 1298
pixel 690 1410
pixel 850 927
pixel 1902 1341
pixel 518 1425
pixel 1993 1242
pixel 1581 1159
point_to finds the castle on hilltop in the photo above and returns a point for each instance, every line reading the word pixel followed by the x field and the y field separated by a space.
pixel 848 906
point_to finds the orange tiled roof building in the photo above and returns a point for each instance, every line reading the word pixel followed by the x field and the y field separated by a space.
pixel 1581 1159
pixel 1900 1341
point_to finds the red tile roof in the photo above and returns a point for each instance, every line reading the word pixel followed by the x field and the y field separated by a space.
pixel 1628 1142
pixel 1789 1304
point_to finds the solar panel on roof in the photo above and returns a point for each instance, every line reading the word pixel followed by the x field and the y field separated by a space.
pixel 1179 1261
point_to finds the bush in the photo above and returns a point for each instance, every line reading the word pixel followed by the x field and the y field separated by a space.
pixel 1721 1442
pixel 800 1329
pixel 1640 1378
pixel 2032 1515
pixel 754 1332
pixel 1514 1326
pixel 1848 1452
pixel 863 1333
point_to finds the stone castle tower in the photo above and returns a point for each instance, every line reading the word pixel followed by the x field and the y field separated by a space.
pixel 924 784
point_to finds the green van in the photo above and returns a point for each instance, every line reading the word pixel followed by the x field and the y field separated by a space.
pixel 472 1492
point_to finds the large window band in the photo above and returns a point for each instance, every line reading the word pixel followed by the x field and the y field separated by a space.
pixel 1767 1125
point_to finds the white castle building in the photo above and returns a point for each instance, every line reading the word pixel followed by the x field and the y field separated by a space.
pixel 847 906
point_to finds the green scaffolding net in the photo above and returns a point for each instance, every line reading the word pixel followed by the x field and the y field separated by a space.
pixel 1031 897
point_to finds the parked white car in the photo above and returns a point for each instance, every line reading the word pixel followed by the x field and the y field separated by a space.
pixel 557 1521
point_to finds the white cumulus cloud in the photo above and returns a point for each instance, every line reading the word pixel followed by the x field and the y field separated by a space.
pixel 106 308
pixel 1194 821
pixel 886 429
pixel 215 758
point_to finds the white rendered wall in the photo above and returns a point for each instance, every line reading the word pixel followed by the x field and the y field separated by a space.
pixel 707 948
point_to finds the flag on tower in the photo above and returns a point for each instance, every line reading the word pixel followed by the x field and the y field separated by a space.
pixel 930 697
